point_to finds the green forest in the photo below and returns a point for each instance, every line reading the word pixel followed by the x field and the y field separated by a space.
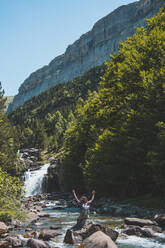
pixel 107 127
pixel 11 188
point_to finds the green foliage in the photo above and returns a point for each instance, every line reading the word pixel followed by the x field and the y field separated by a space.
pixel 10 187
pixel 116 142
pixel 42 121
pixel 10 194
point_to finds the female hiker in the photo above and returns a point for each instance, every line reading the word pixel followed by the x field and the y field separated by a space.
pixel 84 205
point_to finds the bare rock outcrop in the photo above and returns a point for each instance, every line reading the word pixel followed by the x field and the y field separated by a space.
pixel 90 50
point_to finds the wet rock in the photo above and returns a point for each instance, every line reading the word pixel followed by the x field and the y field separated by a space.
pixel 33 234
pixel 43 215
pixel 48 234
pixel 32 217
pixel 99 239
pixel 139 222
pixel 51 181
pixel 4 243
pixel 3 228
pixel 78 233
pixel 15 242
pixel 35 243
pixel 17 223
pixel 38 223
pixel 157 229
pixel 139 231
pixel 4 235
pixel 54 227
pixel 160 219
pixel 28 229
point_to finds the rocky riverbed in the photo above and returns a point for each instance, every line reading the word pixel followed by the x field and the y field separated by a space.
pixel 49 216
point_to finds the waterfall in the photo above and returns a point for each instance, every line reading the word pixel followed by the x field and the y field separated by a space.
pixel 33 180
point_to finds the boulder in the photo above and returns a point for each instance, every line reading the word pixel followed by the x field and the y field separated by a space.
pixel 35 243
pixel 32 217
pixel 48 234
pixel 160 219
pixel 139 222
pixel 17 223
pixel 3 228
pixel 15 242
pixel 4 243
pixel 139 231
pixel 43 214
pixel 53 227
pixel 99 239
pixel 78 233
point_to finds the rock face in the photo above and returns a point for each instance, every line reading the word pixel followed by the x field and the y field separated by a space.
pixel 90 50
pixel 51 181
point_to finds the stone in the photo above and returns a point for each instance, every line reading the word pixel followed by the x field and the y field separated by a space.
pixel 139 231
pixel 47 234
pixel 139 222
pixel 53 227
pixel 3 228
pixel 100 240
pixel 15 242
pixel 160 219
pixel 35 243
pixel 90 50
pixel 51 181
pixel 43 214
pixel 78 233
pixel 4 243
pixel 32 217
pixel 17 223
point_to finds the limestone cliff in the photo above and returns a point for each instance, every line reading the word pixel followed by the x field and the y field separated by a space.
pixel 91 49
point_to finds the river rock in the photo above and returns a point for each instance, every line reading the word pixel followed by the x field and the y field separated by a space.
pixel 53 227
pixel 32 217
pixel 139 231
pixel 43 214
pixel 76 235
pixel 17 223
pixel 4 244
pixel 99 239
pixel 15 242
pixel 3 228
pixel 35 243
pixel 139 222
pixel 160 219
pixel 33 234
pixel 48 234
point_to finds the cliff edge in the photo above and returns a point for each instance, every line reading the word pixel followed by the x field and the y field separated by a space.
pixel 90 50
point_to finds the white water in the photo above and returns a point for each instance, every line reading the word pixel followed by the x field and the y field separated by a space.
pixel 33 180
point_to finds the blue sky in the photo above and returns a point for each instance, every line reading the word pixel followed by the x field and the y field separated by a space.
pixel 33 32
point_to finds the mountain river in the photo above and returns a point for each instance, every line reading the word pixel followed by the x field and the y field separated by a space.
pixel 66 218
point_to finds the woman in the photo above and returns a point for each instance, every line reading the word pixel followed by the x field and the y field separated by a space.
pixel 84 205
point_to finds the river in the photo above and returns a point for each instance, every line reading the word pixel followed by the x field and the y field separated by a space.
pixel 66 218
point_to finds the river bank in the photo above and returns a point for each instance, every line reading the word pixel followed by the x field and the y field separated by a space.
pixel 50 216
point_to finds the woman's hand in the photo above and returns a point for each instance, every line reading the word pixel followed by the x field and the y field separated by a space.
pixel 93 192
pixel 73 191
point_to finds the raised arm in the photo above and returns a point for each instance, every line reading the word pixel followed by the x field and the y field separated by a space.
pixel 75 196
pixel 93 197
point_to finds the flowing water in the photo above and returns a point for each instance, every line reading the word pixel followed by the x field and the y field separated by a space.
pixel 65 219
pixel 33 180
